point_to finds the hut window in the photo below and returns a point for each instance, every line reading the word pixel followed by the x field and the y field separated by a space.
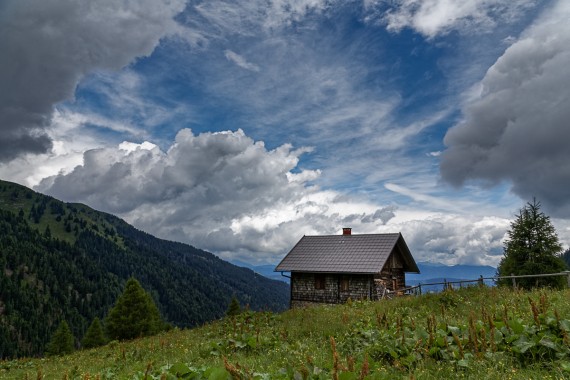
pixel 319 281
pixel 344 284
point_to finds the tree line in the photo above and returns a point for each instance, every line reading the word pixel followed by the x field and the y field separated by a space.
pixel 134 315
pixel 49 274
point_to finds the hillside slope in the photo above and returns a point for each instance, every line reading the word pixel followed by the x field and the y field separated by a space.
pixel 472 333
pixel 67 261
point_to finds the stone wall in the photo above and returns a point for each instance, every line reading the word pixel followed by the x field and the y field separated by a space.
pixel 303 288
pixel 359 287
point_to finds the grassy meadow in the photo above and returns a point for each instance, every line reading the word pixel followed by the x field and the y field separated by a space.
pixel 473 333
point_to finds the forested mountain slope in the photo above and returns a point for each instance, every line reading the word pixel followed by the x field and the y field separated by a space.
pixel 67 261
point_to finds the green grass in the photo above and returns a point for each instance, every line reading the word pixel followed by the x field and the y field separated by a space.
pixel 435 336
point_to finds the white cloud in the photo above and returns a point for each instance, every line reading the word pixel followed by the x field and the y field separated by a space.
pixel 452 238
pixel 64 118
pixel 228 194
pixel 433 201
pixel 245 17
pixel 435 17
pixel 129 147
pixel 220 191
pixel 240 61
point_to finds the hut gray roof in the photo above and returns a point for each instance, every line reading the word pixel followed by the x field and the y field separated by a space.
pixel 365 253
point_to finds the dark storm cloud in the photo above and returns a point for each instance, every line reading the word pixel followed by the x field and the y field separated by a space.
pixel 13 143
pixel 47 46
pixel 517 128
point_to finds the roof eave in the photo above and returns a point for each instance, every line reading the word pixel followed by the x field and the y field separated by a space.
pixel 327 272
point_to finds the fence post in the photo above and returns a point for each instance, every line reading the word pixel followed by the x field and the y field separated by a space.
pixel 514 281
pixel 481 280
pixel 568 277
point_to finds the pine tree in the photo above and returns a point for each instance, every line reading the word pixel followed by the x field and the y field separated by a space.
pixel 532 248
pixel 47 232
pixel 94 336
pixel 62 341
pixel 234 307
pixel 134 315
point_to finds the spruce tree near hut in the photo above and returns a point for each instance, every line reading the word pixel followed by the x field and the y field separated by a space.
pixel 62 341
pixel 234 308
pixel 134 315
pixel 532 248
pixel 95 336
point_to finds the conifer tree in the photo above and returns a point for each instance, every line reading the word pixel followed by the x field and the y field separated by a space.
pixel 234 308
pixel 47 232
pixel 532 248
pixel 62 341
pixel 94 336
pixel 134 315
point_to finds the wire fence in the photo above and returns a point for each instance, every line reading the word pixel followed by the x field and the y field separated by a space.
pixel 432 287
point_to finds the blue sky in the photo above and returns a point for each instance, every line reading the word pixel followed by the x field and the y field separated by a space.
pixel 238 127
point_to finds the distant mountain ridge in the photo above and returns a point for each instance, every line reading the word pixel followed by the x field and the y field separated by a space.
pixel 429 272
pixel 67 261
pixel 267 270
pixel 434 272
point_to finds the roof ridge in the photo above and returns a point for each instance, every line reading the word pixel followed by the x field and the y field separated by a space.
pixel 378 234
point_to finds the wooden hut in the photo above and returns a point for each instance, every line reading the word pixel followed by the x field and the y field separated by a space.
pixel 334 268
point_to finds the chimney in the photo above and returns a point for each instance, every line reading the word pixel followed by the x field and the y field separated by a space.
pixel 347 231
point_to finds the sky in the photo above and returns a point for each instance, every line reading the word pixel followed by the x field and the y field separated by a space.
pixel 240 126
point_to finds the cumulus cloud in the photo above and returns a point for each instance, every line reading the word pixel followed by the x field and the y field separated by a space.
pixel 48 46
pixel 435 17
pixel 219 191
pixel 229 194
pixel 452 238
pixel 516 128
